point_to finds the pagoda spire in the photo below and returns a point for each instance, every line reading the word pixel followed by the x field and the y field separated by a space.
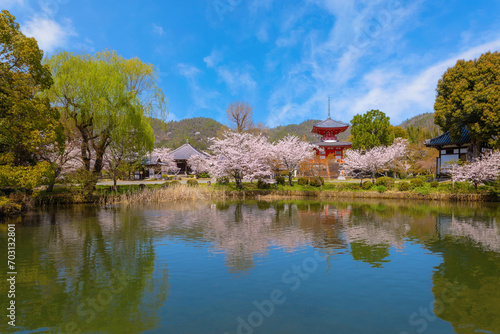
pixel 328 106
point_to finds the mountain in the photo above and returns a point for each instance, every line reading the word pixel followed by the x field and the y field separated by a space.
pixel 196 130
pixel 199 130
pixel 425 121
pixel 302 130
pixel 421 127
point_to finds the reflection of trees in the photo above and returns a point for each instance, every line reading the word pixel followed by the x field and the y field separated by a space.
pixel 85 255
pixel 467 286
pixel 482 230
pixel 467 283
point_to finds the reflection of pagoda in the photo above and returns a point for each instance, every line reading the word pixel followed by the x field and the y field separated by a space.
pixel 329 144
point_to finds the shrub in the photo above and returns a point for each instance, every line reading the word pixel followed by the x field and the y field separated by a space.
pixel 303 181
pixel 223 180
pixel 430 178
pixel 204 175
pixel 191 176
pixel 173 183
pixel 415 183
pixel 434 184
pixel 367 185
pixel 423 178
pixel 316 182
pixel 192 183
pixel 280 180
pixel 385 181
pixel 261 184
pixel 404 186
pixel 381 189
pixel 354 186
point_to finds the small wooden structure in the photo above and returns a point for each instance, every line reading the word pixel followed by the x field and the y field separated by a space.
pixel 458 149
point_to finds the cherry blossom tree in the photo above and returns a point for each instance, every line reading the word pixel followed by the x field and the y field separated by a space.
pixel 371 161
pixel 62 158
pixel 122 156
pixel 240 156
pixel 198 164
pixel 290 153
pixel 484 169
pixel 162 155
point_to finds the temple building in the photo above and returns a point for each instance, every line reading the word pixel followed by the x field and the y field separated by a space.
pixel 329 144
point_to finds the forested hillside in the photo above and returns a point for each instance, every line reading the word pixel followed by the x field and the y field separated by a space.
pixel 196 130
pixel 425 121
pixel 421 127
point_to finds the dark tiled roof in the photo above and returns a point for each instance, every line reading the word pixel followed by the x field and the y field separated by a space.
pixel 445 139
pixel 153 161
pixel 185 152
pixel 330 123
pixel 337 143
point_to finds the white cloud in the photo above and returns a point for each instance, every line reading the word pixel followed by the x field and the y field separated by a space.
pixel 8 4
pixel 214 58
pixel 334 65
pixel 290 40
pixel 49 34
pixel 402 96
pixel 237 79
pixel 158 30
pixel 262 34
pixel 203 98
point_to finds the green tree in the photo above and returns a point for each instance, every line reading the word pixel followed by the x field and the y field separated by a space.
pixel 468 94
pixel 103 96
pixel 27 122
pixel 371 129
pixel 399 132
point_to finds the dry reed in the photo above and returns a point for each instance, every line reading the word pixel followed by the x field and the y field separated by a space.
pixel 168 194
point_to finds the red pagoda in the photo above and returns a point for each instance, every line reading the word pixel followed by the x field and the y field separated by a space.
pixel 329 144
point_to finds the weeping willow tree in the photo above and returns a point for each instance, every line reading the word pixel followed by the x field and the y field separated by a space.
pixel 102 97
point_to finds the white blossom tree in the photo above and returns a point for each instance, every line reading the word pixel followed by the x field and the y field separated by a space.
pixel 62 158
pixel 290 153
pixel 240 156
pixel 373 160
pixel 162 155
pixel 122 155
pixel 483 169
pixel 198 164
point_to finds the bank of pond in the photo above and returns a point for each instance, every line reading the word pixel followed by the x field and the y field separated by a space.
pixel 422 188
pixel 268 266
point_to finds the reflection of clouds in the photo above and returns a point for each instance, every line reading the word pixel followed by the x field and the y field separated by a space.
pixel 484 232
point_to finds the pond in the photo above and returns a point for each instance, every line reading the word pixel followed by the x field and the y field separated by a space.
pixel 257 267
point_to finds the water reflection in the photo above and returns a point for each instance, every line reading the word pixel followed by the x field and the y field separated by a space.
pixel 87 269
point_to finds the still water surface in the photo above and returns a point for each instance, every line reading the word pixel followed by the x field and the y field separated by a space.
pixel 258 267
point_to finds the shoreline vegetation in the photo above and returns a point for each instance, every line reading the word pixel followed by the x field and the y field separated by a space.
pixel 173 191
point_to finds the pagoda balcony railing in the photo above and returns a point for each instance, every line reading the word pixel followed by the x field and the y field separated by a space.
pixel 329 139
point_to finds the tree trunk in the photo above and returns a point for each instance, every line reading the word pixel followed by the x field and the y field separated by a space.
pixel 50 187
pixel 474 150
pixel 290 181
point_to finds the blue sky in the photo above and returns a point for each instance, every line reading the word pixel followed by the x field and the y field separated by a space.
pixel 283 57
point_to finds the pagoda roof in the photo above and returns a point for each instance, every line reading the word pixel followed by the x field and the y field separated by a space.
pixel 330 123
